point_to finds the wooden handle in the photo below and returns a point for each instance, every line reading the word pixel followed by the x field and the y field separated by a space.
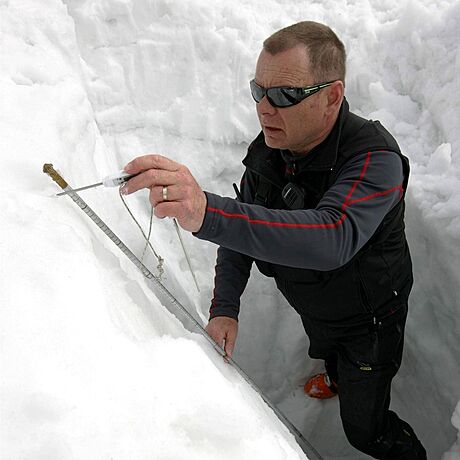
pixel 48 169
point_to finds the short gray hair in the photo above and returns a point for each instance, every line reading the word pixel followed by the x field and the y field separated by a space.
pixel 326 52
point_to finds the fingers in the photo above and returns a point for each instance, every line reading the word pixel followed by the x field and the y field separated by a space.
pixel 148 179
pixel 146 162
pixel 173 193
pixel 218 336
pixel 188 212
pixel 168 209
pixel 224 332
pixel 183 198
pixel 230 341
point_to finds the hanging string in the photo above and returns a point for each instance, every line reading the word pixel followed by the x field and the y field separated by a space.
pixel 148 244
pixel 147 238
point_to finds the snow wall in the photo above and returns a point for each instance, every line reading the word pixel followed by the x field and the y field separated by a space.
pixel 95 367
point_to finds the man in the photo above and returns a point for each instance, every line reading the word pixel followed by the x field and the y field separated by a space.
pixel 321 210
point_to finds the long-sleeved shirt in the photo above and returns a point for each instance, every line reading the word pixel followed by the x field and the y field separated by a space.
pixel 325 238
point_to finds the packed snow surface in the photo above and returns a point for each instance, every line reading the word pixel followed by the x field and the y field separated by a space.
pixel 95 364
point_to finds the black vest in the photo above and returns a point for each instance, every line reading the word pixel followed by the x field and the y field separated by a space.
pixel 378 280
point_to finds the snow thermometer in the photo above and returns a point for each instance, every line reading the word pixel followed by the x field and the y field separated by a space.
pixel 113 180
pixel 120 178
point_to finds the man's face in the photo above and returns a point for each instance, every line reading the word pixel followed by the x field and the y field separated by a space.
pixel 300 127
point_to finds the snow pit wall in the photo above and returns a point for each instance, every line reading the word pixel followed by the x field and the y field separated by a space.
pixel 144 66
pixel 395 51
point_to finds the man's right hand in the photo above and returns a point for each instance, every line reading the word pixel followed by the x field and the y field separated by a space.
pixel 224 331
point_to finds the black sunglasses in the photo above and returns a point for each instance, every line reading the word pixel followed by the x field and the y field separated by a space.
pixel 285 96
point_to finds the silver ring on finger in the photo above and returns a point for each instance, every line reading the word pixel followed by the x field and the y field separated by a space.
pixel 165 193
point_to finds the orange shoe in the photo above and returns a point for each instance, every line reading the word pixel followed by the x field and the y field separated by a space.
pixel 320 386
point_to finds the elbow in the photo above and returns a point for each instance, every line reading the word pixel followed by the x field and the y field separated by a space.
pixel 337 257
pixel 344 247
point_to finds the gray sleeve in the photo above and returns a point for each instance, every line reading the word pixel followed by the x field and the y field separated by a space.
pixel 231 275
pixel 323 238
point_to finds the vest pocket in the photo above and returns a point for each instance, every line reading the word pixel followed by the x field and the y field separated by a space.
pixel 332 297
pixel 364 293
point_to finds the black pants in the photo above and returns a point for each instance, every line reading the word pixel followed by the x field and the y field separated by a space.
pixel 363 361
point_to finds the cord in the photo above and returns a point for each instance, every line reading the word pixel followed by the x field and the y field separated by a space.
pixel 147 238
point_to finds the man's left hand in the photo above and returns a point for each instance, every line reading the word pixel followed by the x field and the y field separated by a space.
pixel 174 192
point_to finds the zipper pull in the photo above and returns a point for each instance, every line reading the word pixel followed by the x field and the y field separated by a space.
pixel 291 169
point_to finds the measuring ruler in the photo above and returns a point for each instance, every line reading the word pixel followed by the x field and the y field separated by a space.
pixel 303 442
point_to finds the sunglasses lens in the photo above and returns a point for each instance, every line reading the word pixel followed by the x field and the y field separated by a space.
pixel 257 92
pixel 278 97
pixel 283 97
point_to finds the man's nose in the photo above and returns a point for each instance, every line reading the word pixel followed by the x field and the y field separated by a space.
pixel 264 107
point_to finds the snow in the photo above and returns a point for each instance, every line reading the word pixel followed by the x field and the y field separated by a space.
pixel 95 363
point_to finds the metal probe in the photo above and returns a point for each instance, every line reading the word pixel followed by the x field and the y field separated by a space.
pixel 113 180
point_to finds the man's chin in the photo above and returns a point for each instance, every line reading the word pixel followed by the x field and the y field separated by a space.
pixel 274 141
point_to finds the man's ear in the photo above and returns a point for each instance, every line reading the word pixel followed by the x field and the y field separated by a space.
pixel 335 96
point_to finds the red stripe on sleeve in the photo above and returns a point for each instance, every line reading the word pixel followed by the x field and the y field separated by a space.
pixel 355 184
pixel 348 202
pixel 275 224
pixel 375 195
